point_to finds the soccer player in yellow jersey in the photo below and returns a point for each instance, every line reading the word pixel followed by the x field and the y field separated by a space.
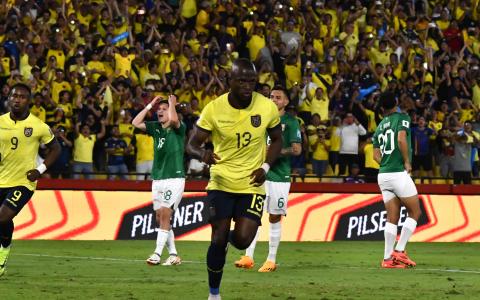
pixel 237 123
pixel 21 134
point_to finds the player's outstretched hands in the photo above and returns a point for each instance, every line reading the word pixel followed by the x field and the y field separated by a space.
pixel 33 175
pixel 408 167
pixel 210 158
pixel 258 177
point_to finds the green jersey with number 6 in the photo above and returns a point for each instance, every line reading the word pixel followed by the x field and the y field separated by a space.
pixel 169 145
pixel 386 139
pixel 281 169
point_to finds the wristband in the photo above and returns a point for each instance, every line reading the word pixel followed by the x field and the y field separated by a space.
pixel 42 168
pixel 149 106
pixel 265 167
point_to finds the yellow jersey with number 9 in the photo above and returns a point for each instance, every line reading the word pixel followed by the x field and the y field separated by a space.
pixel 19 145
pixel 238 137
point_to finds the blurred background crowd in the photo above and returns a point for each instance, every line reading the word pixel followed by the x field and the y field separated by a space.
pixel 93 65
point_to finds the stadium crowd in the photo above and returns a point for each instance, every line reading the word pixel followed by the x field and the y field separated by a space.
pixel 93 65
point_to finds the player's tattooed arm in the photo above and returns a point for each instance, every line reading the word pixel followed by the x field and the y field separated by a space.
pixel 195 149
pixel 294 150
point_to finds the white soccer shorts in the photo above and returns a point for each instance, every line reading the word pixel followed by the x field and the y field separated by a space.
pixel 277 197
pixel 167 192
pixel 396 184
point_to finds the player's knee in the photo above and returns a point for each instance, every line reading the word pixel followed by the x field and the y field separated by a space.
pixel 392 218
pixel 241 241
pixel 274 218
pixel 4 219
pixel 242 244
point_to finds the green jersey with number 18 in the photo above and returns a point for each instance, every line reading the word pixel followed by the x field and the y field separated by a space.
pixel 281 169
pixel 169 147
pixel 386 139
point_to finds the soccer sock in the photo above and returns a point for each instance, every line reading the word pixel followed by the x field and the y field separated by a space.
pixel 215 262
pixel 172 250
pixel 161 240
pixel 274 242
pixel 408 229
pixel 390 237
pixel 6 232
pixel 251 248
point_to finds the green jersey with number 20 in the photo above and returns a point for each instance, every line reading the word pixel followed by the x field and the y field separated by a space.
pixel 386 139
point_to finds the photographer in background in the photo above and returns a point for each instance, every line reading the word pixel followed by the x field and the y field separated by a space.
pixel 320 146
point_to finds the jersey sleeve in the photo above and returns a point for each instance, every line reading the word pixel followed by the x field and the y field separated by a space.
pixel 274 116
pixel 47 134
pixel 206 118
pixel 403 123
pixel 182 129
pixel 150 127
pixel 294 132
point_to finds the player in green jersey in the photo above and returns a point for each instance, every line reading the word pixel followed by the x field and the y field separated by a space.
pixel 168 172
pixel 392 150
pixel 277 184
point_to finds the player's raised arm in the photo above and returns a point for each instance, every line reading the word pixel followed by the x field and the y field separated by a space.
pixel 54 151
pixel 173 120
pixel 194 146
pixel 140 117
pixel 259 175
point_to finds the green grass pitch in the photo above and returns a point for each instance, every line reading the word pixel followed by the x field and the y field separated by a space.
pixel 337 270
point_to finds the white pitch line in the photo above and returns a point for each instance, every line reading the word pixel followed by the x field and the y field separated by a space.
pixel 95 258
pixel 201 262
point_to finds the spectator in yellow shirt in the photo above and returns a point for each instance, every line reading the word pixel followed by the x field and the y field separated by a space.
pixel 144 158
pixel 371 166
pixel 37 110
pixel 202 22
pixel 59 85
pixel 123 62
pixel 320 146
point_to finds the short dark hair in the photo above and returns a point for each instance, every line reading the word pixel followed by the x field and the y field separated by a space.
pixel 22 86
pixel 163 102
pixel 388 100
pixel 279 87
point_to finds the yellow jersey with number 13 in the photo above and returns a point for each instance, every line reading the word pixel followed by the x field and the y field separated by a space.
pixel 238 137
pixel 19 145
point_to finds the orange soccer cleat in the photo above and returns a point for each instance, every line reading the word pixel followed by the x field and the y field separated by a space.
pixel 403 258
pixel 392 264
pixel 245 262
pixel 268 266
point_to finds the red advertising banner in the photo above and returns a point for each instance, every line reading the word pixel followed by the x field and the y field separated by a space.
pixel 110 215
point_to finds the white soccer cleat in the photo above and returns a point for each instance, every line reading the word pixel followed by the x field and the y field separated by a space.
pixel 214 297
pixel 154 259
pixel 173 260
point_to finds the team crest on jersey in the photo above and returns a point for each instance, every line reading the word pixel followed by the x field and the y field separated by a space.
pixel 256 120
pixel 28 131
